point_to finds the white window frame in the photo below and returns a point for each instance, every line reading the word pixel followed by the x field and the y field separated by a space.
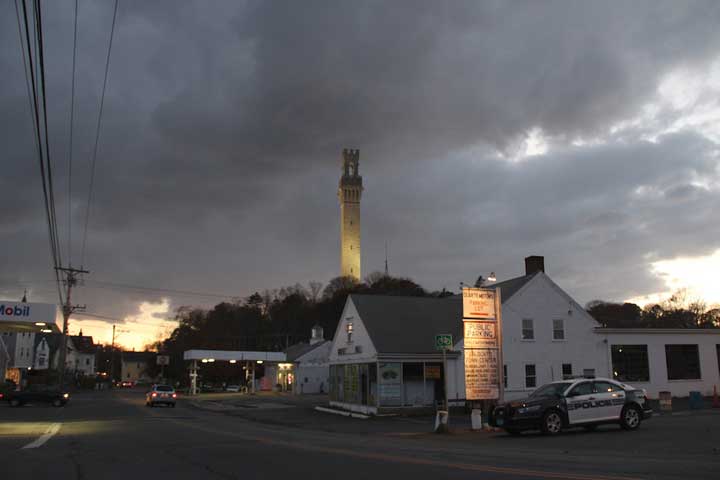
pixel 555 330
pixel 531 329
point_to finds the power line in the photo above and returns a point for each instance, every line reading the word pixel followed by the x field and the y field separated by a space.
pixel 97 137
pixel 70 155
pixel 111 285
pixel 41 55
pixel 35 110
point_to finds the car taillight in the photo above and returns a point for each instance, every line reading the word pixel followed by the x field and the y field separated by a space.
pixel 154 394
pixel 174 395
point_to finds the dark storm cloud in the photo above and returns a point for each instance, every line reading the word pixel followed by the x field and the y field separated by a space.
pixel 223 124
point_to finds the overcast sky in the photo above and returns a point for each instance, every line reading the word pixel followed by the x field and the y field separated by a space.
pixel 488 131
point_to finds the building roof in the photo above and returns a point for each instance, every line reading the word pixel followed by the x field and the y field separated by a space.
pixel 293 352
pixel 388 318
pixel 510 287
pixel 408 324
pixel 137 356
pixel 53 340
pixel 83 344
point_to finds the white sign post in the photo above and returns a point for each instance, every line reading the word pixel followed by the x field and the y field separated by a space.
pixel 162 360
pixel 482 349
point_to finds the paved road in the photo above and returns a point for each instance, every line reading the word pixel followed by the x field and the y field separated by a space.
pixel 111 435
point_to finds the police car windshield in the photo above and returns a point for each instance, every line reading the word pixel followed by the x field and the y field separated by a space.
pixel 551 389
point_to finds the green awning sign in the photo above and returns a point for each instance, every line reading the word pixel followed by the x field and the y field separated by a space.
pixel 443 341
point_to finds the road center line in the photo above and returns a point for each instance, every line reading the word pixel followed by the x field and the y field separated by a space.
pixel 49 432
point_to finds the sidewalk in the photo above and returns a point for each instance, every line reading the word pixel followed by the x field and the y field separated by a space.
pixel 298 411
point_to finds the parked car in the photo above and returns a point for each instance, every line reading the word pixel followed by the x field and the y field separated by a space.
pixel 161 394
pixel 37 394
pixel 583 403
pixel 126 384
pixel 232 388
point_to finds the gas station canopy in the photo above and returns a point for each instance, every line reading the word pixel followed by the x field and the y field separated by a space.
pixel 28 317
pixel 235 355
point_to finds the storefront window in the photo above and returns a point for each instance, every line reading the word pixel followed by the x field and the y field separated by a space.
pixel 390 383
pixel 351 384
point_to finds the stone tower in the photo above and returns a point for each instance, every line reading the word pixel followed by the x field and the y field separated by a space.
pixel 349 193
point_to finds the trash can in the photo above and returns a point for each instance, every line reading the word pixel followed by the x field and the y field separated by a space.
pixel 696 400
pixel 441 421
pixel 665 401
pixel 476 419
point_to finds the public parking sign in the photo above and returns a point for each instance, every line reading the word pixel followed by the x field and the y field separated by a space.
pixel 443 341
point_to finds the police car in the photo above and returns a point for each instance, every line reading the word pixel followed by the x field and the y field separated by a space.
pixel 586 402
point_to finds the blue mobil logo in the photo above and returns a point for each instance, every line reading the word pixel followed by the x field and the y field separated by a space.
pixel 15 310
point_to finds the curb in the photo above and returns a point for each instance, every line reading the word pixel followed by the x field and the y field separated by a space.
pixel 341 412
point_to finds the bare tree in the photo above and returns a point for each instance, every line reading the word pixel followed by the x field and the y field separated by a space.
pixel 315 289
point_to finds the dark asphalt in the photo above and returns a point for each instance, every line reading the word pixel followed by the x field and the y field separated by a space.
pixel 112 435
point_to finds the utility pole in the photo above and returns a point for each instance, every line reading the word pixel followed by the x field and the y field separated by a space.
pixel 112 359
pixel 71 279
pixel 112 355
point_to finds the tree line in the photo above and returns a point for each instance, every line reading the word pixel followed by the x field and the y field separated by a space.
pixel 678 311
pixel 274 319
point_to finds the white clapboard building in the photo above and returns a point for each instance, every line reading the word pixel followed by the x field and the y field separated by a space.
pixel 382 356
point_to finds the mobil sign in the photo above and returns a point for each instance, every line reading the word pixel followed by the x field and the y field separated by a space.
pixel 31 313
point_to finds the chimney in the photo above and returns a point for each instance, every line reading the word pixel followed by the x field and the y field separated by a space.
pixel 534 264
pixel 317 335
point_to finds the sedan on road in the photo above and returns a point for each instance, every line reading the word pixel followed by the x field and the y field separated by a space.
pixel 583 403
pixel 161 395
pixel 37 394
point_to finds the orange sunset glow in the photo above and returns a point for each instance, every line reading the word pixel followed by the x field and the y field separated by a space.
pixel 134 332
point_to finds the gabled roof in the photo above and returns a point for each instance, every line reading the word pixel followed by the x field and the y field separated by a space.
pixel 83 344
pixel 510 287
pixel 408 324
pixel 293 352
pixel 53 340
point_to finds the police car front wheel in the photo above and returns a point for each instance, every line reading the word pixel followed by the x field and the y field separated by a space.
pixel 552 423
pixel 630 419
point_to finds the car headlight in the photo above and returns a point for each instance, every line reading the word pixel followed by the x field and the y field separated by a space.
pixel 530 409
pixel 66 395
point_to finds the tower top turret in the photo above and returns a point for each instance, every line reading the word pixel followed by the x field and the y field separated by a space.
pixel 351 164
